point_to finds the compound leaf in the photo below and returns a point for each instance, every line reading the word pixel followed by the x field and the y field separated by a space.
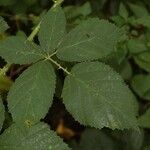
pixel 52 29
pixel 32 93
pixel 97 96
pixel 18 50
pixel 90 40
pixel 38 137
pixel 1 113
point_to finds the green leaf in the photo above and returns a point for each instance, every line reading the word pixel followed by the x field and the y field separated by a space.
pixel 126 70
pixel 141 63
pixel 75 11
pixel 52 29
pixel 141 85
pixel 1 113
pixel 123 12
pixel 38 137
pixel 144 120
pixel 145 21
pixel 90 40
pixel 94 139
pixel 3 25
pixel 133 139
pixel 20 51
pixel 138 10
pixel 97 96
pixel 136 46
pixel 32 93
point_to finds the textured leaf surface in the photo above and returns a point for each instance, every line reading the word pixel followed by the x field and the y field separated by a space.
pixel 97 96
pixel 18 50
pixel 3 25
pixel 144 120
pixel 90 40
pixel 32 93
pixel 141 85
pixel 38 137
pixel 53 28
pixel 1 113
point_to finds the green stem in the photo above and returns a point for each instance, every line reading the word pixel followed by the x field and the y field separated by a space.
pixel 58 65
pixel 34 32
pixel 37 28
pixel 57 3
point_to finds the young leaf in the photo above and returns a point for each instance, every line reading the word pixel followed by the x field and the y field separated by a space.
pixel 32 93
pixel 1 113
pixel 3 25
pixel 90 40
pixel 17 50
pixel 144 120
pixel 38 137
pixel 97 96
pixel 141 85
pixel 52 29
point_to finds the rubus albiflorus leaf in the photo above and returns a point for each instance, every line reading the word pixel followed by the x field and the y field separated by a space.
pixel 141 85
pixel 144 120
pixel 97 96
pixel 38 137
pixel 92 39
pixel 20 51
pixel 1 113
pixel 52 29
pixel 31 95
pixel 3 25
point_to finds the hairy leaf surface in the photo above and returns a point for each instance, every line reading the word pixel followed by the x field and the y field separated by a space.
pixel 97 96
pixel 38 137
pixel 32 93
pixel 90 40
pixel 53 28
pixel 18 50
